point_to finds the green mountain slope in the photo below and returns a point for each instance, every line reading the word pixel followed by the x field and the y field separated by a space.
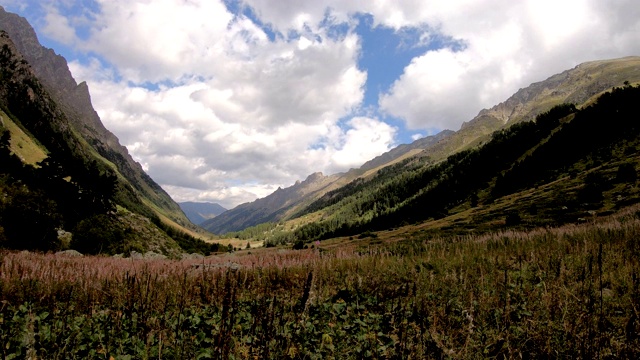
pixel 138 190
pixel 592 152
pixel 54 180
pixel 579 86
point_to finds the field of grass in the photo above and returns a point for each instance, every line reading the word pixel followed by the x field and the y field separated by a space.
pixel 567 292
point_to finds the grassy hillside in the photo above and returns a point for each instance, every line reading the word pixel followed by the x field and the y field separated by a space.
pixel 135 188
pixel 523 156
pixel 23 145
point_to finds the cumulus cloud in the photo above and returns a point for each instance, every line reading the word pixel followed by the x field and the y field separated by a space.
pixel 366 139
pixel 233 114
pixel 58 27
pixel 495 47
pixel 219 107
pixel 506 46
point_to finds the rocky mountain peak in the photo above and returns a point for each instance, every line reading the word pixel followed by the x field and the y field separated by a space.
pixel 316 176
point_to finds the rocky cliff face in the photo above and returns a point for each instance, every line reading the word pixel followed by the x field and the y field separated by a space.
pixel 576 86
pixel 75 101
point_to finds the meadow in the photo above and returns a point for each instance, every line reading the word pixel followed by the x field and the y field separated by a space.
pixel 565 292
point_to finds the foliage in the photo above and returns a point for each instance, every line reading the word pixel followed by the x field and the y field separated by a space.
pixel 187 242
pixel 567 292
pixel 30 220
pixel 98 234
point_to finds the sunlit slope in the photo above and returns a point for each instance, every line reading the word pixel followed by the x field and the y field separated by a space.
pixel 23 145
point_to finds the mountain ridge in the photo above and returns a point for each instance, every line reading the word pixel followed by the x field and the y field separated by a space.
pixel 199 212
pixel 271 208
pixel 579 84
pixel 67 183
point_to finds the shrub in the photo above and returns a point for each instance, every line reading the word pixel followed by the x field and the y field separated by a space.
pixel 98 234
pixel 513 219
pixel 626 173
pixel 30 220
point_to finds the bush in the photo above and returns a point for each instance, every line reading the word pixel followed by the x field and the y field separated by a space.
pixel 368 234
pixel 626 174
pixel 30 220
pixel 298 245
pixel 513 219
pixel 98 234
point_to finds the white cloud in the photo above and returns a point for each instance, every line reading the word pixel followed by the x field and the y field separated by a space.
pixel 57 26
pixel 232 122
pixel 508 45
pixel 215 110
pixel 366 139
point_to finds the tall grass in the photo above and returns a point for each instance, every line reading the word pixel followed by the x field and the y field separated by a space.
pixel 568 292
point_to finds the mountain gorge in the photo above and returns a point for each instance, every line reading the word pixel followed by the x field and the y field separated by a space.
pixel 569 140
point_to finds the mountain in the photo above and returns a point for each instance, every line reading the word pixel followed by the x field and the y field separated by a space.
pixel 286 203
pixel 406 150
pixel 579 86
pixel 271 208
pixel 137 189
pixel 199 212
pixel 63 171
pixel 568 165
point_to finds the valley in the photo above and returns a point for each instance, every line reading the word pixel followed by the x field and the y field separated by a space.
pixel 516 236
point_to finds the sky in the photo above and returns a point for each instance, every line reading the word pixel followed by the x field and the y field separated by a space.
pixel 227 100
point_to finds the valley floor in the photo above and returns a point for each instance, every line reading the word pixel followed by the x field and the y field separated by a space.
pixel 565 292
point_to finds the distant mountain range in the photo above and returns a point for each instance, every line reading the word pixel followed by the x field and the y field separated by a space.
pixel 199 212
pixel 579 86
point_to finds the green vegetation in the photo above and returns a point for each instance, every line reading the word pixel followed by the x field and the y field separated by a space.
pixel 51 180
pixel 563 142
pixel 21 143
pixel 568 292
